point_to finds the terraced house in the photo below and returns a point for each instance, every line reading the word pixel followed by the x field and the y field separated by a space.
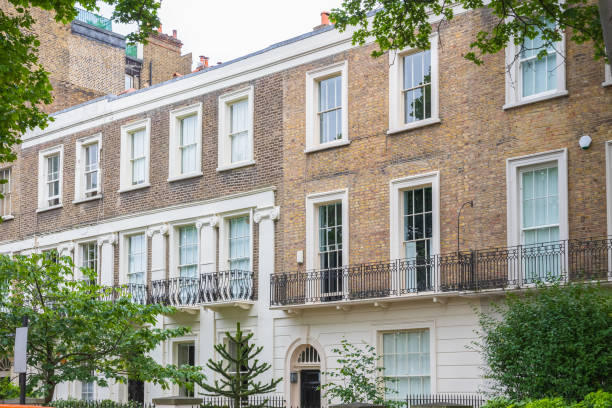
pixel 312 193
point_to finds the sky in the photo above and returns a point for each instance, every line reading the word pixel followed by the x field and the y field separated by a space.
pixel 224 30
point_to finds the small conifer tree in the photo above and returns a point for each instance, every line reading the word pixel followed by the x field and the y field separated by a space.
pixel 238 370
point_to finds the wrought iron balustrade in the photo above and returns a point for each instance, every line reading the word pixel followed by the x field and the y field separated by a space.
pixel 494 268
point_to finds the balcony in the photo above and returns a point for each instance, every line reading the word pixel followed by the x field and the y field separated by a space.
pixel 476 271
pixel 94 19
pixel 212 290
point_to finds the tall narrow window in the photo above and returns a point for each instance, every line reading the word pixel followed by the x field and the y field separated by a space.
pixel 406 363
pixel 138 156
pixel 538 74
pixel 188 252
pixel 416 90
pixel 239 244
pixel 87 391
pixel 91 169
pixel 418 234
pixel 239 131
pixel 5 192
pixel 330 250
pixel 53 179
pixel 89 257
pixel 540 202
pixel 188 144
pixel 540 224
pixel 186 357
pixel 136 259
pixel 236 129
pixel 330 109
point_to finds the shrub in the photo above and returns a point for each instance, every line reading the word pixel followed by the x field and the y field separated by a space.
pixel 552 342
pixel 599 399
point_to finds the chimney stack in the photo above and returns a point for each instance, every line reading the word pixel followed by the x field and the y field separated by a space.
pixel 203 61
pixel 159 29
pixel 174 33
pixel 325 18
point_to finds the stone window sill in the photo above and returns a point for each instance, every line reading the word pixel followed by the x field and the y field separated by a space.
pixel 546 97
pixel 53 207
pixel 235 165
pixel 328 145
pixel 184 176
pixel 86 199
pixel 414 125
pixel 136 187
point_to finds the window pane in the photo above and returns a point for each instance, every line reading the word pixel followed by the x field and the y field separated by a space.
pixel 240 147
pixel 138 144
pixel 239 244
pixel 540 75
pixel 528 77
pixel 417 67
pixel 239 115
pixel 408 72
pixel 188 130
pixel 552 72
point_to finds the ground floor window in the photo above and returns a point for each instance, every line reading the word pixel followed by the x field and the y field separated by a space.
pixel 406 362
pixel 87 391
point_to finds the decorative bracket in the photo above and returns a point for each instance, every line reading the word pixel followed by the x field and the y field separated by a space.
pixel 212 220
pixel 161 229
pixel 65 247
pixel 107 239
pixel 269 212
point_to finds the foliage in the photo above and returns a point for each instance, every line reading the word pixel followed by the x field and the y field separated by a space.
pixel 359 377
pixel 599 399
pixel 552 342
pixel 74 333
pixel 8 390
pixel 24 83
pixel 398 24
pixel 74 403
pixel 238 370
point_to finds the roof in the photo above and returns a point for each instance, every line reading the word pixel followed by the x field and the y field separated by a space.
pixel 112 97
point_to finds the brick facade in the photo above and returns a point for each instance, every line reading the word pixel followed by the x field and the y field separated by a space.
pixel 81 68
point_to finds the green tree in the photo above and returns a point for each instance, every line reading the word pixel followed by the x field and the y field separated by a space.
pixel 79 330
pixel 238 369
pixel 397 24
pixel 24 83
pixel 553 341
pixel 359 377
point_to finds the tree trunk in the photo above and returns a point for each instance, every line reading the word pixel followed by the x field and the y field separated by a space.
pixel 49 394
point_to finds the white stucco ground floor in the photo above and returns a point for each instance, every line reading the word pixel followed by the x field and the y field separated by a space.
pixel 426 346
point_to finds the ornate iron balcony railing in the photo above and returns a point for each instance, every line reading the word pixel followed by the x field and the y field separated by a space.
pixel 208 288
pixel 496 268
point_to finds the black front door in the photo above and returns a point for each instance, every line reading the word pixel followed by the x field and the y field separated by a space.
pixel 310 395
pixel 136 391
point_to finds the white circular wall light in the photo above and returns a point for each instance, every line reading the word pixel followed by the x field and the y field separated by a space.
pixel 585 142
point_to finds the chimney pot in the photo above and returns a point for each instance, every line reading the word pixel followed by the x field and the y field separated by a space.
pixel 205 62
pixel 219 63
pixel 325 18
pixel 159 29
pixel 174 33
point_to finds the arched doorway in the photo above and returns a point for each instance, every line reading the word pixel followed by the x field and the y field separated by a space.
pixel 305 377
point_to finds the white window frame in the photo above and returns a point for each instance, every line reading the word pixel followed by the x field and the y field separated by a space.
pixel 514 84
pixel 93 392
pixel 607 75
pixel 379 330
pixel 513 169
pixel 78 257
pixel 225 143
pixel 171 349
pixel 609 191
pixel 8 196
pixel 224 231
pixel 313 202
pixel 174 160
pixel 126 148
pixel 312 103
pixel 396 192
pixel 79 177
pixel 396 100
pixel 124 254
pixel 174 240
pixel 43 203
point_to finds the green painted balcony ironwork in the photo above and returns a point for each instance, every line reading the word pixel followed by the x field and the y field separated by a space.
pixel 94 19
